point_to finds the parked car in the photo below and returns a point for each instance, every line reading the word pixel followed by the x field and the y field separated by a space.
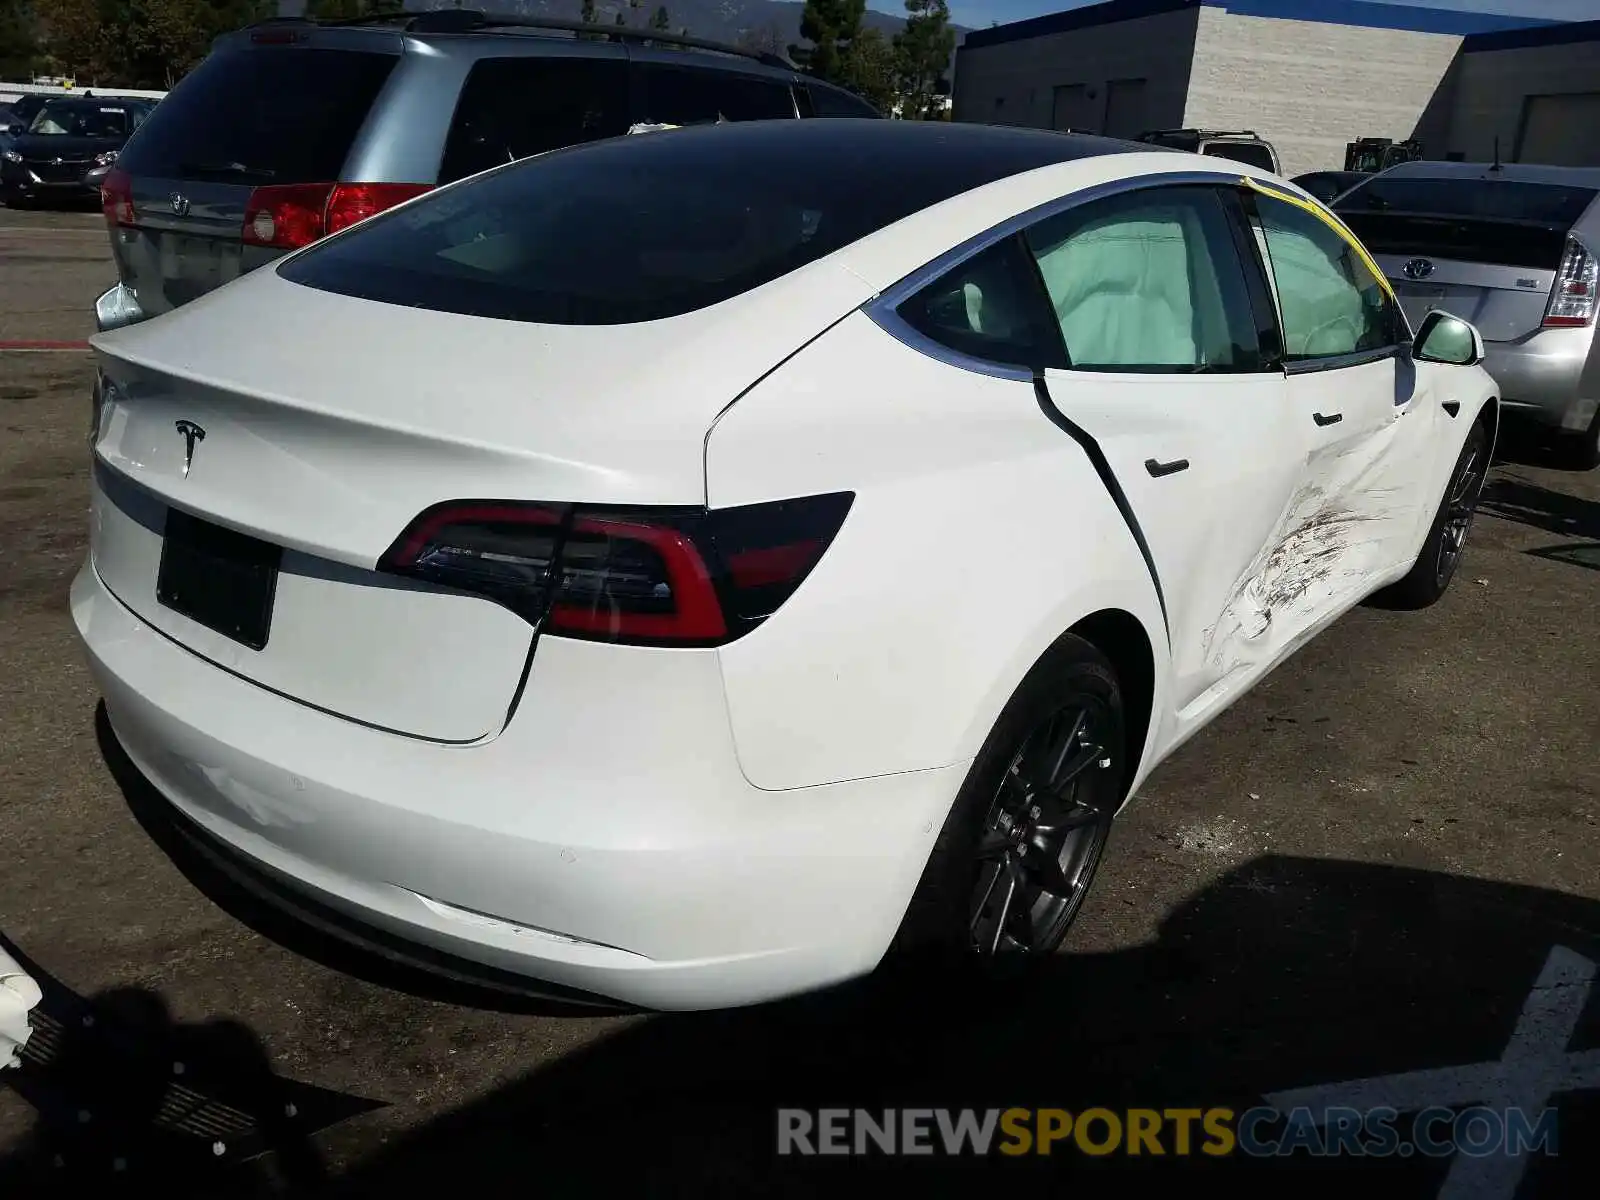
pixel 684 567
pixel 1512 248
pixel 1239 145
pixel 50 158
pixel 1328 186
pixel 290 130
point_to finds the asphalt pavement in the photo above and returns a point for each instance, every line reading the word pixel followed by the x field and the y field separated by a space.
pixel 1380 863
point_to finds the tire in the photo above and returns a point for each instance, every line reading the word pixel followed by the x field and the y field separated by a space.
pixel 1447 537
pixel 17 200
pixel 1585 447
pixel 1067 716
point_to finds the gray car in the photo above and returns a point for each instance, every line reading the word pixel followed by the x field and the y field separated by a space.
pixel 1515 249
pixel 290 130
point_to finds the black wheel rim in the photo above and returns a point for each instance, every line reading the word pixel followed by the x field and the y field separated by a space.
pixel 1043 833
pixel 1459 509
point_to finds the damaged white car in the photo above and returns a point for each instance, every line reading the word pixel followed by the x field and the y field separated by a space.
pixel 691 569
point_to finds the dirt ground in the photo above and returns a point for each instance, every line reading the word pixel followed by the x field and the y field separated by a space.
pixel 1381 861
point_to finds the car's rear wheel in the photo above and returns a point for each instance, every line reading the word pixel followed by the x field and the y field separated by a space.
pixel 1020 848
pixel 1447 537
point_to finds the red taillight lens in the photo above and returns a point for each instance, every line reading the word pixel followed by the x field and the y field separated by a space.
pixel 288 216
pixel 116 199
pixel 1574 298
pixel 654 578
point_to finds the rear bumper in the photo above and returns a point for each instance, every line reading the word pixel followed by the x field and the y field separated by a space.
pixel 1550 377
pixel 606 841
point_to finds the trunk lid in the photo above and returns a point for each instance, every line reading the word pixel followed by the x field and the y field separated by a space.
pixel 249 115
pixel 328 423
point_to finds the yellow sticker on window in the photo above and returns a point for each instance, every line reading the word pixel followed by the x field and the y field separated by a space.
pixel 1332 223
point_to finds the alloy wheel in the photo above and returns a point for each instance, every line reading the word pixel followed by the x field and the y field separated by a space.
pixel 1044 832
pixel 1460 509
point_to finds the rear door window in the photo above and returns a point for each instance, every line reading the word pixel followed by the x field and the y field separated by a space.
pixel 685 96
pixel 273 115
pixel 511 108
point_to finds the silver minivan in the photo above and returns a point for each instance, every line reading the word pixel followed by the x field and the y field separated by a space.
pixel 291 129
pixel 1513 248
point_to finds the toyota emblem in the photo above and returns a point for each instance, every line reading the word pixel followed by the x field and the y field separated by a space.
pixel 180 203
pixel 1418 268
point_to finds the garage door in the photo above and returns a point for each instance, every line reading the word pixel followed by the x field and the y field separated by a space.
pixel 1560 130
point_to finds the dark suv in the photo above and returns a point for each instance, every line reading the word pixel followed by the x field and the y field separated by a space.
pixel 291 129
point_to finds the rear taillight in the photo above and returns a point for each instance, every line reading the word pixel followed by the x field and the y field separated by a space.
pixel 651 577
pixel 1577 288
pixel 116 198
pixel 288 216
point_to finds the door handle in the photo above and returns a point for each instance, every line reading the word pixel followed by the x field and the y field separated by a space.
pixel 1158 469
pixel 1330 419
pixel 1453 407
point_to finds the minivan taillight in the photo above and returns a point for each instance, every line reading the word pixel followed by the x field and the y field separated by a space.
pixel 116 199
pixel 663 577
pixel 1573 298
pixel 288 216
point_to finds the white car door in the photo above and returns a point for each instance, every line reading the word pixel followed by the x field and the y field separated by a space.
pixel 1175 388
pixel 1355 387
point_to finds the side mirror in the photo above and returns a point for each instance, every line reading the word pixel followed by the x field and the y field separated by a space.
pixel 1444 338
pixel 117 307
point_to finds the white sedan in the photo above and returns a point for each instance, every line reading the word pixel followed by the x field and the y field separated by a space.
pixel 694 569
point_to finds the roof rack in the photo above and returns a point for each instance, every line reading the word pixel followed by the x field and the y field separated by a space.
pixel 472 20
pixel 1202 133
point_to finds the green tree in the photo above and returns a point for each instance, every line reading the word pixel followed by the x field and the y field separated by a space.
pixel 621 20
pixel 660 20
pixel 19 38
pixel 871 69
pixel 923 49
pixel 350 10
pixel 137 43
pixel 830 26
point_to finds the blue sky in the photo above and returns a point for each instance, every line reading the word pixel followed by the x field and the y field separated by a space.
pixel 978 13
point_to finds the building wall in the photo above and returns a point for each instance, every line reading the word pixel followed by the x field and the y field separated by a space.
pixel 1492 91
pixel 1096 68
pixel 1309 88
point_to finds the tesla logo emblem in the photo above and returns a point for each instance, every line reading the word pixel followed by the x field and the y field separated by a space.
pixel 55 162
pixel 193 435
pixel 180 203
pixel 1418 268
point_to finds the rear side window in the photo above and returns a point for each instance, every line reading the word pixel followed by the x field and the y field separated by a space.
pixel 684 96
pixel 989 307
pixel 274 115
pixel 513 107
pixel 1251 153
pixel 829 102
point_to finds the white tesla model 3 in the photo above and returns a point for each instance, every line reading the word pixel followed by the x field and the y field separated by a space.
pixel 689 569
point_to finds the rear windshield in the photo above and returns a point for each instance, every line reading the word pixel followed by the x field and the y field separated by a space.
pixel 1252 153
pixel 1478 199
pixel 270 115
pixel 648 227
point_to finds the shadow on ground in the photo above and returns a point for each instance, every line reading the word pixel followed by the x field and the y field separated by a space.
pixel 1283 974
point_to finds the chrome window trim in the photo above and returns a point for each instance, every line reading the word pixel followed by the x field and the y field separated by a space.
pixel 1358 358
pixel 881 308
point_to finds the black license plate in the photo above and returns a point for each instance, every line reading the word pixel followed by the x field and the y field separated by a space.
pixel 221 579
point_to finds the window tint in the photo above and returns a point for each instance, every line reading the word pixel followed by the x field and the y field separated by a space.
pixel 644 228
pixel 1490 199
pixel 1331 303
pixel 989 307
pixel 1252 153
pixel 831 102
pixel 511 108
pixel 685 96
pixel 275 115
pixel 1148 282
